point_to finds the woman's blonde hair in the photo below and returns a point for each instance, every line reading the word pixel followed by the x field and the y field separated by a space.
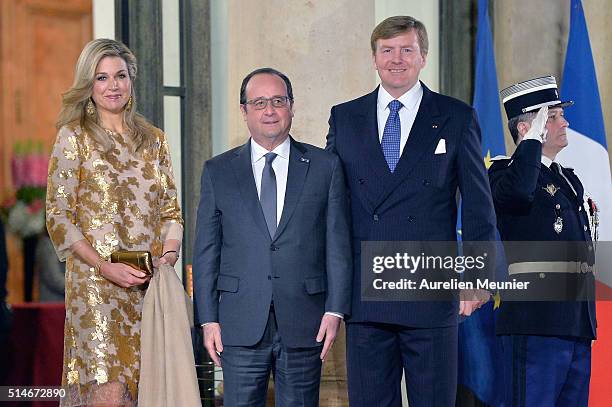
pixel 74 100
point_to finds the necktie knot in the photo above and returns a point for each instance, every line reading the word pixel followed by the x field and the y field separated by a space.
pixel 394 106
pixel 556 168
pixel 269 158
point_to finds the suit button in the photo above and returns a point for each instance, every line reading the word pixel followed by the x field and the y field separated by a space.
pixel 426 182
pixel 410 218
pixel 273 248
pixel 375 217
pixel 557 206
pixel 361 181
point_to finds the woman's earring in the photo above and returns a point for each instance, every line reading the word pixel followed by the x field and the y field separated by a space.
pixel 90 109
pixel 128 107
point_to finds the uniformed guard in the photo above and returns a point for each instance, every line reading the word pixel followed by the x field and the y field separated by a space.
pixel 546 330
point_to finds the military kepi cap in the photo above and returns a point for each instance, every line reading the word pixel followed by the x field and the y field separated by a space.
pixel 531 95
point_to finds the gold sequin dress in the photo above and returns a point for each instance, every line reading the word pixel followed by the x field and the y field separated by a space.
pixel 117 201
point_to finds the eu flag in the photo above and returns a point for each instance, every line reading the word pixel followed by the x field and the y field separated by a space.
pixel 479 349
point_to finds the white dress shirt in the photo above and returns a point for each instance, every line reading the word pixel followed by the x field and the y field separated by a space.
pixel 280 165
pixel 546 161
pixel 410 100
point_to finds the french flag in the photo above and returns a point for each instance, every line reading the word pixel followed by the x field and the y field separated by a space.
pixel 587 154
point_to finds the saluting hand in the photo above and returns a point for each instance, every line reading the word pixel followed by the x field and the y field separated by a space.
pixel 538 130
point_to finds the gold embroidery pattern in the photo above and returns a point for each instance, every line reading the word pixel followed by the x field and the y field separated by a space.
pixel 108 246
pixel 61 193
pixel 115 200
pixel 73 374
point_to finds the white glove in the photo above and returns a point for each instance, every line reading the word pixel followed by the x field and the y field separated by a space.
pixel 538 130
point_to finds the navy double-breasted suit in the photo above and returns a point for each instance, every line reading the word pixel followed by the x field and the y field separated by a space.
pixel 417 202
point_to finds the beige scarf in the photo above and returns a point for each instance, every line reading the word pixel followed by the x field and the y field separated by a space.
pixel 167 366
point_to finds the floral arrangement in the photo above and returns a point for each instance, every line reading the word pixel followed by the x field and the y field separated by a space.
pixel 24 210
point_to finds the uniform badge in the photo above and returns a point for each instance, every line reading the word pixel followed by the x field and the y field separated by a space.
pixel 593 218
pixel 558 225
pixel 551 189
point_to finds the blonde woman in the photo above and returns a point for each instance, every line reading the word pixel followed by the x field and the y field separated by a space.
pixel 110 188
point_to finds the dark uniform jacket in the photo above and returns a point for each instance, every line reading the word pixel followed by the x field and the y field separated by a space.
pixel 534 204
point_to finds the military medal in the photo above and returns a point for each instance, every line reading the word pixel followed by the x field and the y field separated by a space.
pixel 558 225
pixel 594 218
pixel 551 189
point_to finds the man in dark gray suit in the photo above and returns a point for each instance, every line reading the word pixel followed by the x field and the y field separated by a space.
pixel 272 257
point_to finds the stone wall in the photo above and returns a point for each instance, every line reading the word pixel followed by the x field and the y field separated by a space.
pixel 316 43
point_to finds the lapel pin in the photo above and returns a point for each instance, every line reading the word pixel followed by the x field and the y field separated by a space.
pixel 551 189
pixel 304 160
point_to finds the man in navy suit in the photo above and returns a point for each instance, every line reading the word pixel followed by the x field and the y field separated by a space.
pixel 406 151
pixel 272 260
pixel 546 341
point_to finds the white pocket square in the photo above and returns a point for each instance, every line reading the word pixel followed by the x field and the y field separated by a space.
pixel 441 148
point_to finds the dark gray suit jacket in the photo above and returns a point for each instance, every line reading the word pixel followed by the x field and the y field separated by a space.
pixel 305 268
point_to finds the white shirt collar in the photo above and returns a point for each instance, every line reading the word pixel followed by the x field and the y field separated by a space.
pixel 546 161
pixel 282 150
pixel 410 99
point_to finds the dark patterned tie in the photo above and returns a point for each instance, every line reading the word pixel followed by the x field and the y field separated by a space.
pixel 267 196
pixel 556 168
pixel 391 135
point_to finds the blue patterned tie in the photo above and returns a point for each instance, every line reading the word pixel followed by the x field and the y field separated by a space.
pixel 267 196
pixel 391 135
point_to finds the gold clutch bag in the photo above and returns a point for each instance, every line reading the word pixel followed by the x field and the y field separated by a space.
pixel 139 259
